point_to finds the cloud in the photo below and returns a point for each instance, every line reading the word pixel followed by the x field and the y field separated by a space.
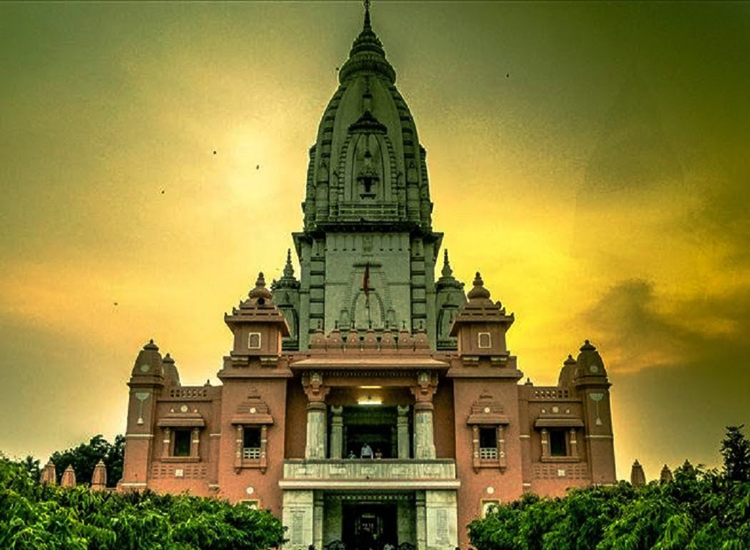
pixel 645 328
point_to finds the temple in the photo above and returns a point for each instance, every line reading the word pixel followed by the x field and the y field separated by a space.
pixel 369 403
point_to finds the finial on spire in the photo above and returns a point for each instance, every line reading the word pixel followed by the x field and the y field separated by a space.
pixel 367 14
pixel 447 271
pixel 288 268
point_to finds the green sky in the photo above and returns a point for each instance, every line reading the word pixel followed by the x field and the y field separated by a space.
pixel 590 159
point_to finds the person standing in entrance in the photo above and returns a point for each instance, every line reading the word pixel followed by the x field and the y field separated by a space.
pixel 366 451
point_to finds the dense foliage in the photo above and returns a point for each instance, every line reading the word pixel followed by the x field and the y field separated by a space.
pixel 699 510
pixel 85 457
pixel 35 517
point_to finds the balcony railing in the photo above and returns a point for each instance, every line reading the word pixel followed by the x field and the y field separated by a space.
pixel 488 453
pixel 370 469
pixel 252 453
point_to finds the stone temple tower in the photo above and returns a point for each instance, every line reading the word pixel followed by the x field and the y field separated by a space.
pixel 367 251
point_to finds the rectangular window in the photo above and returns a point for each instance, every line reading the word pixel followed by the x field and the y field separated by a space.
pixel 253 340
pixel 488 443
pixel 485 340
pixel 251 442
pixel 557 443
pixel 181 442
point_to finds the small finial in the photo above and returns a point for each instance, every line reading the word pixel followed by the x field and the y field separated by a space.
pixel 447 271
pixel 288 268
pixel 367 14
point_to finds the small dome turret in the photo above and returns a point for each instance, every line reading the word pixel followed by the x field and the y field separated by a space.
pixel 260 296
pixel 171 374
pixel 567 373
pixel 149 361
pixel 590 362
pixel 478 293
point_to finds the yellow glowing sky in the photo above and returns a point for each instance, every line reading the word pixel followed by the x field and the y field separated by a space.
pixel 591 159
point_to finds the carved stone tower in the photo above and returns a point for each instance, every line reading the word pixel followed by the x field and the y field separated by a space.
pixel 367 252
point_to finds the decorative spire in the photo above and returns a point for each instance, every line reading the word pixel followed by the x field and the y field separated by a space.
pixel 478 292
pixel 260 294
pixel 288 269
pixel 447 271
pixel 666 475
pixel 367 54
pixel 367 15
pixel 99 479
pixel 637 477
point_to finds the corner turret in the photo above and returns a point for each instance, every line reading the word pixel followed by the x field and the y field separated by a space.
pixel 481 325
pixel 257 325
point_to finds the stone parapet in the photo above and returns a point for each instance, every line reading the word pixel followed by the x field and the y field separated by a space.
pixel 370 470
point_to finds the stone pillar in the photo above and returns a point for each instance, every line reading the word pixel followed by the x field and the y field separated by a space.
pixel 239 440
pixel 166 442
pixel 424 444
pixel 403 432
pixel 421 521
pixel 316 415
pixel 297 516
pixel 573 443
pixel 318 520
pixel 545 443
pixel 424 439
pixel 441 519
pixel 502 460
pixel 195 439
pixel 337 432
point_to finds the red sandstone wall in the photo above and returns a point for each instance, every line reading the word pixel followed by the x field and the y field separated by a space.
pixel 507 485
pixel 235 484
pixel 444 420
pixel 296 425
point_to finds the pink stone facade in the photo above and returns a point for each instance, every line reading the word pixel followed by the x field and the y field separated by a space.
pixel 501 438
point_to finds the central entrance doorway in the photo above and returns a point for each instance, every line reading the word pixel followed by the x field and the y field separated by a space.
pixel 369 520
pixel 369 525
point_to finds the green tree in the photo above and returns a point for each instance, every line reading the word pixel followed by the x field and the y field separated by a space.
pixel 735 448
pixel 85 457
pixel 45 517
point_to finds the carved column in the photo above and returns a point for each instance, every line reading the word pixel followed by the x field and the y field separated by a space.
pixel 545 443
pixel 166 441
pixel 424 438
pixel 476 461
pixel 238 444
pixel 337 432
pixel 316 415
pixel 573 443
pixel 501 459
pixel 402 433
pixel 263 448
pixel 195 439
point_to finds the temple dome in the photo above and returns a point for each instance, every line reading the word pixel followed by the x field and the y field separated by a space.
pixel 589 362
pixel 367 164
